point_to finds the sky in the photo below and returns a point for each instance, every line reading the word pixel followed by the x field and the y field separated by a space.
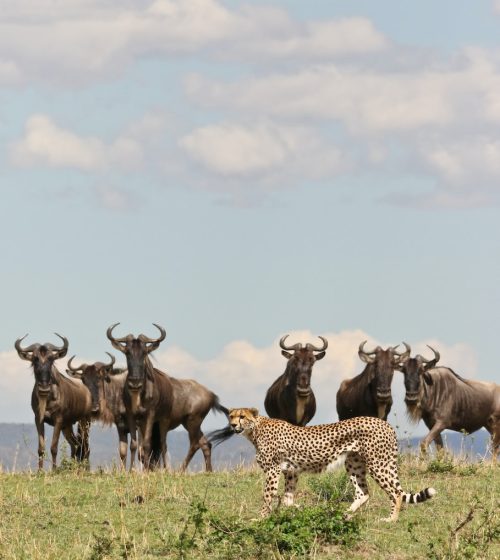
pixel 235 171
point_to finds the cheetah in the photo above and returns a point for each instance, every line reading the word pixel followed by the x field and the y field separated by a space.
pixel 362 443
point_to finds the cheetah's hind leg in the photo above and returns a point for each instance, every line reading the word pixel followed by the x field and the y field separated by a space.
pixel 356 469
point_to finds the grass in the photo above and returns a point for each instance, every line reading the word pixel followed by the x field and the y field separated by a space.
pixel 113 515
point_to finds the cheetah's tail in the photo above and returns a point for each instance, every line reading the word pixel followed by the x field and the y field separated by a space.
pixel 422 496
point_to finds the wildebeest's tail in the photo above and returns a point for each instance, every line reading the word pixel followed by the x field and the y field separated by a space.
pixel 219 436
pixel 219 407
pixel 422 496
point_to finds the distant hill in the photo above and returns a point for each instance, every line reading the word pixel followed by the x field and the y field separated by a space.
pixel 18 448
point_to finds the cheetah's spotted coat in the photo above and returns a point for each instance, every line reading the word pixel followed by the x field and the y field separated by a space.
pixel 366 443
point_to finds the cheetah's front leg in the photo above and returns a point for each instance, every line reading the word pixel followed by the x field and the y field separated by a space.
pixel 291 478
pixel 270 489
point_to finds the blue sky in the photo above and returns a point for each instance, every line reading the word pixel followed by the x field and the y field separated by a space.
pixel 236 171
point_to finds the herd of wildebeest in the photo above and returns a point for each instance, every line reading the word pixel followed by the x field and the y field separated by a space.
pixel 145 403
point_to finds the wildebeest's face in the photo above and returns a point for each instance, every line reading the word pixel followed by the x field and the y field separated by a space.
pixel 300 363
pixel 383 363
pixel 136 351
pixel 414 371
pixel 93 377
pixel 42 358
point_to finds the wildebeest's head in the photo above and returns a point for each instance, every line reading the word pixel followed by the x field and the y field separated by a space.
pixel 301 361
pixel 383 363
pixel 414 370
pixel 136 351
pixel 93 377
pixel 42 358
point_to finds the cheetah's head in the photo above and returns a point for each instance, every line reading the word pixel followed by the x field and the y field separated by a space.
pixel 241 419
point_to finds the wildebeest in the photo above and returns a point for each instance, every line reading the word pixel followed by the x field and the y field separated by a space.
pixel 56 399
pixel 291 397
pixel 106 385
pixel 151 396
pixel 369 393
pixel 446 401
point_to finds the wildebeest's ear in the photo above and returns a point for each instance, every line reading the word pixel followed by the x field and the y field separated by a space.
pixel 74 374
pixel 107 378
pixel 254 411
pixel 428 378
pixel 320 355
pixel 286 354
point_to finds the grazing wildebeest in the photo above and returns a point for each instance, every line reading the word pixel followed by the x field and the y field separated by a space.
pixel 151 396
pixel 291 397
pixel 56 399
pixel 369 393
pixel 106 385
pixel 446 401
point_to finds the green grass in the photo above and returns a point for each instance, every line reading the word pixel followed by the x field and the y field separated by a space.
pixel 84 515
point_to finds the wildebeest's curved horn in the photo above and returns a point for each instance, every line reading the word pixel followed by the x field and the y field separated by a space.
pixel 296 346
pixel 75 369
pixel 367 357
pixel 401 357
pixel 23 352
pixel 60 351
pixel 112 360
pixel 310 346
pixel 163 334
pixel 436 358
pixel 111 337
pixel 361 349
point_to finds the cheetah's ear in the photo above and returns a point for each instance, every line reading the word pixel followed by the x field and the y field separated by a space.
pixel 254 411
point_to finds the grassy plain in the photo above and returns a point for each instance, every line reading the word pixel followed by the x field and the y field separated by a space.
pixel 77 514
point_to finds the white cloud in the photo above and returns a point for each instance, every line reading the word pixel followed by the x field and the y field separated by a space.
pixel 362 100
pixel 76 41
pixel 45 143
pixel 237 150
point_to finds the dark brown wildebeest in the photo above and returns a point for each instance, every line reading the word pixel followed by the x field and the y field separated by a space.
pixel 151 396
pixel 106 385
pixel 291 397
pixel 369 393
pixel 56 400
pixel 446 401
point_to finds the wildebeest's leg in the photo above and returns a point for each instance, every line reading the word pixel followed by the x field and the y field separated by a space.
pixel 356 469
pixel 270 489
pixel 147 430
pixel 40 428
pixel 82 441
pixel 197 440
pixel 122 446
pixel 132 428
pixel 164 426
pixel 493 426
pixel 55 441
pixel 71 439
pixel 291 478
pixel 433 434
